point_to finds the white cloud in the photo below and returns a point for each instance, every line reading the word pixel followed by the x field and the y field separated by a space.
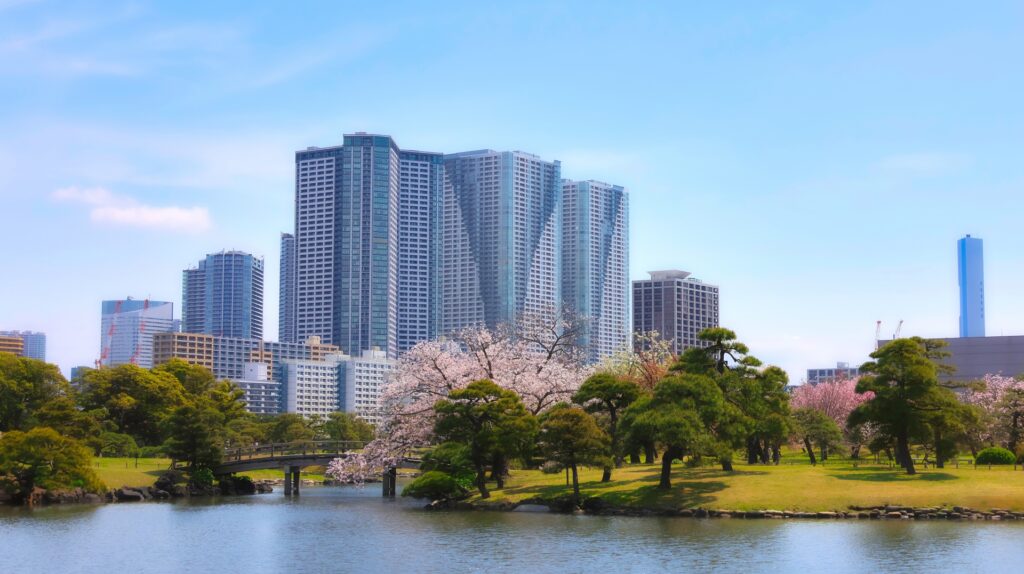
pixel 925 164
pixel 118 210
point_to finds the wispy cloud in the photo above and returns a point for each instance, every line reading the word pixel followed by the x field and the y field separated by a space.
pixel 107 208
pixel 925 163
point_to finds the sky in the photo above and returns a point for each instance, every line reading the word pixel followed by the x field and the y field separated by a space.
pixel 817 161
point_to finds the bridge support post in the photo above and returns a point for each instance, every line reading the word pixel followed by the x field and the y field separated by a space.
pixel 295 478
pixel 287 481
pixel 390 480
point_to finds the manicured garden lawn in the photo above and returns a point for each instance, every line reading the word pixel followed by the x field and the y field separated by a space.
pixel 118 472
pixel 834 486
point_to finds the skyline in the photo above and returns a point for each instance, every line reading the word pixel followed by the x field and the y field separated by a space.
pixel 176 136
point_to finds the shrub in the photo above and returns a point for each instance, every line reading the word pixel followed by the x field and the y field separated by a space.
pixel 151 452
pixel 44 458
pixel 117 444
pixel 435 485
pixel 452 459
pixel 995 455
pixel 552 467
pixel 201 478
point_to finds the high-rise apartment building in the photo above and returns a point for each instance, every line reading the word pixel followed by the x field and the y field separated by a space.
pixel 419 246
pixel 346 243
pixel 362 384
pixel 34 343
pixel 676 306
pixel 971 277
pixel 193 348
pixel 127 328
pixel 223 296
pixel 500 238
pixel 595 263
pixel 286 301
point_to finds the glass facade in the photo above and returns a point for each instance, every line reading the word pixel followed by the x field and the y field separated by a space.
pixel 595 263
pixel 224 296
pixel 127 328
pixel 971 279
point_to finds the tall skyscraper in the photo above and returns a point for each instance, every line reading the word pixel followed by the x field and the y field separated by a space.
pixel 971 277
pixel 286 300
pixel 500 238
pixel 34 343
pixel 419 244
pixel 595 263
pixel 127 328
pixel 224 296
pixel 346 243
pixel 675 305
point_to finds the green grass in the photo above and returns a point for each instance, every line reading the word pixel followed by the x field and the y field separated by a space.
pixel 118 472
pixel 835 486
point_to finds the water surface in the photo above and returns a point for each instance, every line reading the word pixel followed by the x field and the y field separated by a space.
pixel 355 530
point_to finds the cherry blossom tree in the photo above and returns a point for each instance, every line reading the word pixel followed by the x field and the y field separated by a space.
pixel 836 399
pixel 1000 401
pixel 645 360
pixel 536 357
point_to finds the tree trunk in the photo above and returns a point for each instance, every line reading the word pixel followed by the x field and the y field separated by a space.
pixel 499 470
pixel 649 454
pixel 606 476
pixel 855 451
pixel 765 455
pixel 810 450
pixel 481 481
pixel 666 467
pixel 752 448
pixel 575 484
pixel 613 427
pixel 776 454
pixel 903 451
pixel 634 456
pixel 726 462
pixel 824 453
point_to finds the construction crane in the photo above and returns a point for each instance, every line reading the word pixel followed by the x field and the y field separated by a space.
pixel 878 333
pixel 896 335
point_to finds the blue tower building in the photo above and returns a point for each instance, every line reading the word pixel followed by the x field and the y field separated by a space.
pixel 971 276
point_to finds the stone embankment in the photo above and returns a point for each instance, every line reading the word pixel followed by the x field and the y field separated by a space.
pixel 597 506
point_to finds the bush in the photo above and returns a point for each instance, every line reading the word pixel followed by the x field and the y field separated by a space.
pixel 117 444
pixel 201 478
pixel 995 455
pixel 230 485
pixel 551 467
pixel 435 485
pixel 44 458
pixel 452 459
pixel 151 452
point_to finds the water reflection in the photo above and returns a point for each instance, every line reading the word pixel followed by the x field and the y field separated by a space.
pixel 353 530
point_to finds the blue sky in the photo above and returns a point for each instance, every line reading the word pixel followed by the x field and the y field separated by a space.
pixel 817 160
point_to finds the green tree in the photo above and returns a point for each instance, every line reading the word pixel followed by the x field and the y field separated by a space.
pixel 758 406
pixel 347 427
pixel 290 427
pixel 453 459
pixel 813 427
pixel 491 421
pixel 606 393
pixel 63 415
pixel 196 380
pixel 117 444
pixel 907 396
pixel 680 415
pixel 570 436
pixel 194 436
pixel 25 386
pixel 43 458
pixel 137 399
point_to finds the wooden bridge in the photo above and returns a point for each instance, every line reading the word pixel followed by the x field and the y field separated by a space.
pixel 294 456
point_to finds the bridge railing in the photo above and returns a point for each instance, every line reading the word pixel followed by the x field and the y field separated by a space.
pixel 301 447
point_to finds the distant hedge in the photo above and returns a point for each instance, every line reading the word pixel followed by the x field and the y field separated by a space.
pixel 995 455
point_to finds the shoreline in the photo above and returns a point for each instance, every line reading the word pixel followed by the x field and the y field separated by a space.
pixel 595 506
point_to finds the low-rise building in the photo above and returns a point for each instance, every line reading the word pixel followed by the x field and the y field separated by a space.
pixel 364 382
pixel 193 348
pixel 830 374
pixel 34 343
pixel 262 394
pixel 312 387
pixel 12 344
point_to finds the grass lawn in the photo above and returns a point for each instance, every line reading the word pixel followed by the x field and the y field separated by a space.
pixel 835 486
pixel 118 472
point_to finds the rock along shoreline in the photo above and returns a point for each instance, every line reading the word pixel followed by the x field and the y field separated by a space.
pixel 598 507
